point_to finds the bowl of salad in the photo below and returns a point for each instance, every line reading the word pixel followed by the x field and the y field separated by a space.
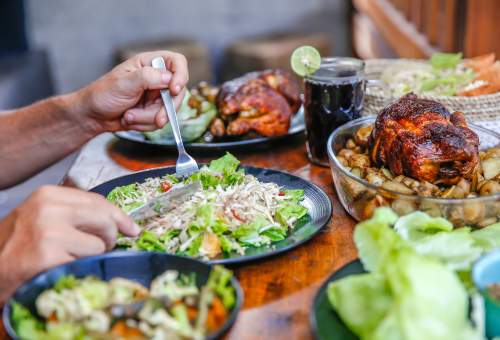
pixel 471 85
pixel 125 295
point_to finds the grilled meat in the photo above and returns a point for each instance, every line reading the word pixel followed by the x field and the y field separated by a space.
pixel 419 138
pixel 263 102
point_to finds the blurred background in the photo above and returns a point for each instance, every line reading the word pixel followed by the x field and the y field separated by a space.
pixel 56 46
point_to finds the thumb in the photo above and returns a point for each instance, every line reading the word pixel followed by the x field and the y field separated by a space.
pixel 148 78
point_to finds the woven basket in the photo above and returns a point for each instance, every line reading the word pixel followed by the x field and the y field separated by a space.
pixel 484 109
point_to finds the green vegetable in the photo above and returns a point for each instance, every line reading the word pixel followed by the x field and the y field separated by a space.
pixel 95 291
pixel 225 244
pixel 25 324
pixel 194 248
pixel 219 227
pixel 226 164
pixel 362 301
pixel 191 123
pixel 445 60
pixel 64 331
pixel 179 312
pixel 172 179
pixel 487 238
pixel 206 178
pixel 375 240
pixel 65 282
pixel 248 234
pixel 168 235
pixel 275 234
pixel 220 282
pixel 434 236
pixel 127 192
pixel 405 295
pixel 149 241
pixel 294 195
pixel 290 211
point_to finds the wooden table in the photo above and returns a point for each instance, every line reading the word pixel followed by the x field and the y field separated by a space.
pixel 278 291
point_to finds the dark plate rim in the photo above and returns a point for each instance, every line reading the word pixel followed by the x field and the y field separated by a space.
pixel 125 135
pixel 321 292
pixel 6 313
pixel 243 259
pixel 294 130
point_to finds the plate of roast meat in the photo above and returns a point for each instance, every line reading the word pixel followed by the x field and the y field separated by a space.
pixel 256 108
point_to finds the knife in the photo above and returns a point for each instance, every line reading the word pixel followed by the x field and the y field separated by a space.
pixel 165 202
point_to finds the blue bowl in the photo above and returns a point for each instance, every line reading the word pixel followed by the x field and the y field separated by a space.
pixel 485 272
pixel 141 267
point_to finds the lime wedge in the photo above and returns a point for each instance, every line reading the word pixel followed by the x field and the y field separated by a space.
pixel 305 60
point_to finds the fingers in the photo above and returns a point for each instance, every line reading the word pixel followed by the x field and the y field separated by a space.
pixel 103 220
pixel 147 78
pixel 152 114
pixel 88 212
pixel 175 62
pixel 178 65
pixel 178 99
pixel 79 244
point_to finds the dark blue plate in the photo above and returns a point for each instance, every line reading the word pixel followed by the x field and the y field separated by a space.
pixel 316 201
pixel 325 322
pixel 141 267
pixel 235 143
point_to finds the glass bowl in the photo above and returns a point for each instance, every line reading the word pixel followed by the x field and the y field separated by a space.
pixel 360 198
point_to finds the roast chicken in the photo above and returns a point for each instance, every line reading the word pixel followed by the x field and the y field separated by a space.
pixel 419 138
pixel 262 102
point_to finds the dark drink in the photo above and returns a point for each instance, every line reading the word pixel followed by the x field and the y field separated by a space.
pixel 333 96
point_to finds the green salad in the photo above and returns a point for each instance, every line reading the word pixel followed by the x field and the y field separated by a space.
pixel 444 75
pixel 418 278
pixel 173 307
pixel 230 213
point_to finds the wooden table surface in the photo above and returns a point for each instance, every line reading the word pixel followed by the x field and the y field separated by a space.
pixel 279 290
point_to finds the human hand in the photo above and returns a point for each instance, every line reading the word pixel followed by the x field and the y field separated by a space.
pixel 53 226
pixel 128 97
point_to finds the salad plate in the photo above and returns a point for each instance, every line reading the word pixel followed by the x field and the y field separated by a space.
pixel 127 269
pixel 296 128
pixel 255 238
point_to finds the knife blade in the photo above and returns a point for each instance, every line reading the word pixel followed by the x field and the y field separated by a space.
pixel 165 202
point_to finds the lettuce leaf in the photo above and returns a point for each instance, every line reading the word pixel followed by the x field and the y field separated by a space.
pixel 445 60
pixel 362 301
pixel 487 238
pixel 149 241
pixel 194 248
pixel 275 233
pixel 290 212
pixel 226 164
pixel 406 295
pixel 375 241
pixel 434 236
pixel 119 195
pixel 294 195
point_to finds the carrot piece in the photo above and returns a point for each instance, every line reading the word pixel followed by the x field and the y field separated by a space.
pixel 121 329
pixel 216 315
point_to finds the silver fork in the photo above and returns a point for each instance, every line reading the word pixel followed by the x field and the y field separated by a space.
pixel 185 163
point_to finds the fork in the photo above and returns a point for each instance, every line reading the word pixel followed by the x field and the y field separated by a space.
pixel 185 163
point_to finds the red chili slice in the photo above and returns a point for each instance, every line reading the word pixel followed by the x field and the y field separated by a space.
pixel 165 186
pixel 236 216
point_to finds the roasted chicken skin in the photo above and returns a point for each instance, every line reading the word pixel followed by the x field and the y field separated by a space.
pixel 263 102
pixel 419 138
